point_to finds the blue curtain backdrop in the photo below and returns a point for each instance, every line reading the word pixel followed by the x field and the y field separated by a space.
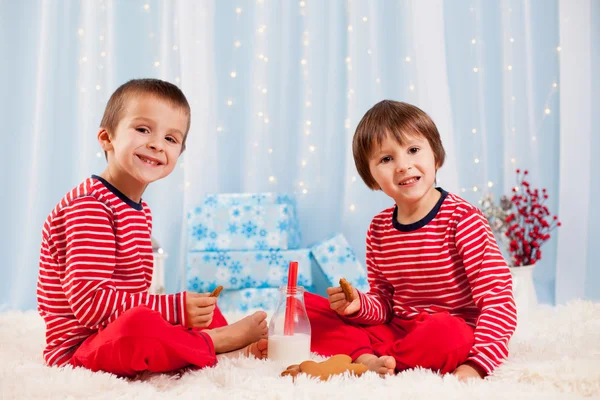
pixel 277 89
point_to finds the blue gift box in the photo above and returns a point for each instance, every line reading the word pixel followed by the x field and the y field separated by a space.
pixel 245 269
pixel 248 299
pixel 244 221
pixel 337 260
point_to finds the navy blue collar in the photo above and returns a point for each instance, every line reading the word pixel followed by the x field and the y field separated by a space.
pixel 117 192
pixel 425 220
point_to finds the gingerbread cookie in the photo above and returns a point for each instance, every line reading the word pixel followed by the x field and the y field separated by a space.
pixel 347 288
pixel 335 365
pixel 216 292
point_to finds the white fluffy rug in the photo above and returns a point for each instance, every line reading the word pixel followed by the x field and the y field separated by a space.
pixel 555 355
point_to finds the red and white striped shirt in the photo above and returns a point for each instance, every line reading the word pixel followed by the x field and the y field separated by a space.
pixel 448 261
pixel 95 263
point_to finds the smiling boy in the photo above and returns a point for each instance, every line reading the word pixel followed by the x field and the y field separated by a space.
pixel 96 255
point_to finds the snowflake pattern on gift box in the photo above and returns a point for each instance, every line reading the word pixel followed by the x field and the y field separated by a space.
pixel 200 232
pixel 245 219
pixel 210 200
pixel 274 257
pixel 235 267
pixel 221 257
pixel 248 282
pixel 249 229
pixel 233 229
pixel 194 284
pixel 261 245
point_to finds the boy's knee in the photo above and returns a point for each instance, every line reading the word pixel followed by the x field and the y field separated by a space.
pixel 448 334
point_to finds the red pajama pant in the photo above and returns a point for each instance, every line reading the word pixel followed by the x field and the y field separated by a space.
pixel 439 342
pixel 141 340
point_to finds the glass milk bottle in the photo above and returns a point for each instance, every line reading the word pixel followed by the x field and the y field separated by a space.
pixel 289 343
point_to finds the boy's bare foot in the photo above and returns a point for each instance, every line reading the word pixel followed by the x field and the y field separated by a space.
pixel 256 350
pixel 239 334
pixel 384 365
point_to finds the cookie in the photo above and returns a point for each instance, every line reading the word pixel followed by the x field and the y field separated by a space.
pixel 335 365
pixel 347 288
pixel 216 292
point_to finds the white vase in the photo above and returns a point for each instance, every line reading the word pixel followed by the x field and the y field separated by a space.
pixel 524 289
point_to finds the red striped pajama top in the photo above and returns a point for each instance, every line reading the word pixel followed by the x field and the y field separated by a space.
pixel 448 261
pixel 95 263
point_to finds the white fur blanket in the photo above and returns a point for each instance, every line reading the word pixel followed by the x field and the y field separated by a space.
pixel 555 354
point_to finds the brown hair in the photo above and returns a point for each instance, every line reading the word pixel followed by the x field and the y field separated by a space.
pixel 396 119
pixel 136 87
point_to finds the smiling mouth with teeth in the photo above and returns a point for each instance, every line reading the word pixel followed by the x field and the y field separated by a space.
pixel 409 181
pixel 148 161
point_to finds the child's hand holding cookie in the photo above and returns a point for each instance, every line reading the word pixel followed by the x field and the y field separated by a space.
pixel 344 299
pixel 199 309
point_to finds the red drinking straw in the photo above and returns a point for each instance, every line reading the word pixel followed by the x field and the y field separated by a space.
pixel 288 324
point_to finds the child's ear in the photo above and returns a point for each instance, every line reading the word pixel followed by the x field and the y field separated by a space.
pixel 104 140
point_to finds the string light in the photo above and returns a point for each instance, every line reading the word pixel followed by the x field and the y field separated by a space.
pixel 558 48
pixel 260 114
pixel 312 148
pixel 474 130
pixel 98 87
pixel 238 11
pixel 490 184
pixel 175 47
pixel 352 207
pixel 233 74
pixel 350 28
pixel 219 128
pixel 475 69
pixel 509 67
pixel 80 31
pixel 229 102
pixel 302 4
pixel 365 19
pixel 303 163
pixel 103 54
pixel 473 41
pixel 475 188
pixel 98 154
pixel 304 191
pixel 411 87
pixel 156 63
pixel 555 84
pixel 272 179
pixel 300 183
pixel 407 59
pixel 101 37
pixel 547 111
pixel 147 7
pixel 353 179
pixel 476 160
pixel 307 104
pixel 237 43
pixel 308 123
